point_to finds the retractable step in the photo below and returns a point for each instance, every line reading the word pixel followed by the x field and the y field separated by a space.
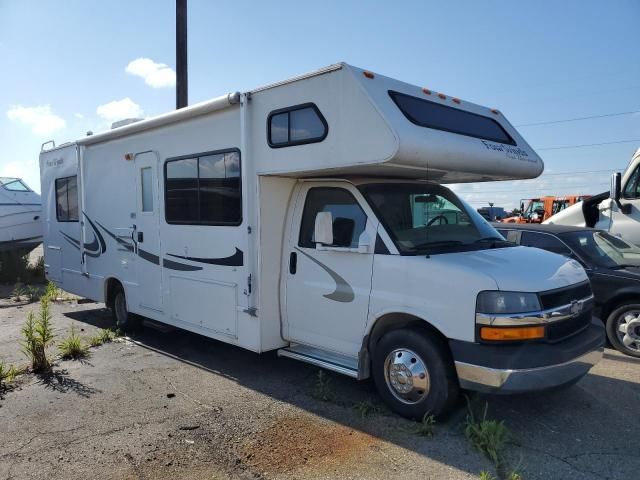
pixel 331 361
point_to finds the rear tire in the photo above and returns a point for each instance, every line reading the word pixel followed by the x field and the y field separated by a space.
pixel 623 329
pixel 125 320
pixel 414 374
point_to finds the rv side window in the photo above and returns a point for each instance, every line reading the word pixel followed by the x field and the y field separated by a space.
pixel 67 199
pixel 426 113
pixel 296 126
pixel 204 189
pixel 146 180
pixel 349 220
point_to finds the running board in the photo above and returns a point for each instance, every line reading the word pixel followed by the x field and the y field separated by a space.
pixel 331 361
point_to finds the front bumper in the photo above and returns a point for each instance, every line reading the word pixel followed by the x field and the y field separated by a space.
pixel 530 366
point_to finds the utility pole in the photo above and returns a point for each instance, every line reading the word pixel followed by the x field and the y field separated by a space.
pixel 182 78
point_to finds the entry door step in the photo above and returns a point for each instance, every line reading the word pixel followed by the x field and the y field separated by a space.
pixel 322 358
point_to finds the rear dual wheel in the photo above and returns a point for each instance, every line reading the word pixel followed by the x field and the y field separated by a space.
pixel 414 374
pixel 125 320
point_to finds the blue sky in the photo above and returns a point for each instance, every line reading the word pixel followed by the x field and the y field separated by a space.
pixel 67 68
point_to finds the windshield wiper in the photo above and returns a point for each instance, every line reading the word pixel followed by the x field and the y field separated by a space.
pixel 494 241
pixel 439 243
pixel 625 265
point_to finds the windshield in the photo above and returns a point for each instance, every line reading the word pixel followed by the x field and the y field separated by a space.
pixel 603 249
pixel 427 218
pixel 13 184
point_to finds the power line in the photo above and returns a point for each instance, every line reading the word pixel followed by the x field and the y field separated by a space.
pixel 564 147
pixel 553 122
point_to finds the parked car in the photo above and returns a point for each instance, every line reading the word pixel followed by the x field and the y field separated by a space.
pixel 613 267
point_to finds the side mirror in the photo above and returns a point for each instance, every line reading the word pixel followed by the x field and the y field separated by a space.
pixel 615 190
pixel 323 229
pixel 615 193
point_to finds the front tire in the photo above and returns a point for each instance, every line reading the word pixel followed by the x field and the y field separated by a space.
pixel 414 374
pixel 623 329
pixel 125 320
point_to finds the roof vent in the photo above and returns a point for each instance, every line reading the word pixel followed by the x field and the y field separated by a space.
pixel 126 121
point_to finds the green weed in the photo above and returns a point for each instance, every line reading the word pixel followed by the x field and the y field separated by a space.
pixel 323 388
pixel 37 336
pixel 367 408
pixel 102 337
pixel 51 291
pixel 7 373
pixel 424 427
pixel 487 436
pixel 19 291
pixel 484 475
pixel 72 347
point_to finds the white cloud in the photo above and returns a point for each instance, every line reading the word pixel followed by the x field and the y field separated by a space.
pixel 40 118
pixel 78 115
pixel 156 75
pixel 119 110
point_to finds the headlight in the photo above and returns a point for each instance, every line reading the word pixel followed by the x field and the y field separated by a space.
pixel 496 302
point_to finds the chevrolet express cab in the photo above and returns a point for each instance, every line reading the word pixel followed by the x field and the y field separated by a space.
pixel 310 217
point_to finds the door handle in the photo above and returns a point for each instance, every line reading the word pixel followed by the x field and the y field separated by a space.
pixel 293 263
pixel 140 237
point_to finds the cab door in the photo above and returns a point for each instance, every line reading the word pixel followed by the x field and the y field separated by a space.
pixel 328 286
pixel 146 233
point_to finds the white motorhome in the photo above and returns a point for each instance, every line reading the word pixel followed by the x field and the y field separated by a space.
pixel 616 211
pixel 308 217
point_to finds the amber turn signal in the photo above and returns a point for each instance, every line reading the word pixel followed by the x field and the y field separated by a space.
pixel 510 334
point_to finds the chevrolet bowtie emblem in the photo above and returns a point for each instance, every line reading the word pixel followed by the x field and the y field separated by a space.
pixel 576 307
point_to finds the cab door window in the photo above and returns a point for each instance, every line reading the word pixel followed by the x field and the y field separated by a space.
pixel 349 220
pixel 632 188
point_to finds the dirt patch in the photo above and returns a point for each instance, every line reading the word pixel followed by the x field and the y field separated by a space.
pixel 297 442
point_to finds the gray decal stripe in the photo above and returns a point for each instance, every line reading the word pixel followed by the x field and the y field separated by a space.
pixel 20 204
pixel 71 240
pixel 149 257
pixel 179 266
pixel 235 260
pixel 21 239
pixel 343 292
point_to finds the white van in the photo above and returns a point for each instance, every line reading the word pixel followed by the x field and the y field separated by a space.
pixel 309 217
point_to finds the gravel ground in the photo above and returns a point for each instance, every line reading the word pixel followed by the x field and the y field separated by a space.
pixel 169 404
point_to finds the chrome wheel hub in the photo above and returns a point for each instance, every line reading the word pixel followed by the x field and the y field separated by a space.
pixel 406 375
pixel 629 330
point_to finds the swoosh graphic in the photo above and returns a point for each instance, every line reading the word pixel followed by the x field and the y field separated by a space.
pixel 97 233
pixel 235 260
pixel 343 292
pixel 120 241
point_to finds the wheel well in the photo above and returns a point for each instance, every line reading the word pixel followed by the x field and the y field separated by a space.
pixel 110 287
pixel 615 302
pixel 395 321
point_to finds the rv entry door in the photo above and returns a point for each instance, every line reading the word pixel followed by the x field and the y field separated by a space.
pixel 146 234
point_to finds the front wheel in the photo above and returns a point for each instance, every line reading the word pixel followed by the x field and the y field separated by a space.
pixel 623 329
pixel 413 374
